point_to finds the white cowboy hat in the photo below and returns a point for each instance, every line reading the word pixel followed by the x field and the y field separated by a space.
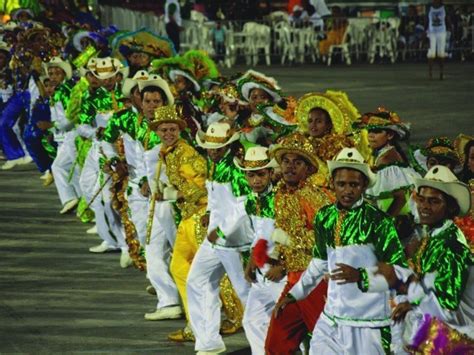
pixel 255 80
pixel 441 178
pixel 350 158
pixel 77 38
pixel 218 135
pixel 158 81
pixel 88 68
pixel 4 46
pixel 256 158
pixel 175 72
pixel 106 68
pixel 59 63
pixel 129 84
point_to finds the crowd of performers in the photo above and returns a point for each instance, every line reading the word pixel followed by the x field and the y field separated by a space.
pixel 302 221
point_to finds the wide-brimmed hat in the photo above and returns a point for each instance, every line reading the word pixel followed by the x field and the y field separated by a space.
pixel 256 158
pixel 91 63
pixel 441 147
pixel 255 80
pixel 296 143
pixel 336 103
pixel 158 81
pixel 174 73
pixel 218 135
pixel 385 120
pixel 94 36
pixel 228 93
pixel 59 63
pixel 5 47
pixel 441 178
pixel 166 114
pixel 130 83
pixel 17 12
pixel 350 158
pixel 106 68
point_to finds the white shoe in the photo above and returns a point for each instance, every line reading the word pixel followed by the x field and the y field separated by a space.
pixel 92 230
pixel 69 206
pixel 125 259
pixel 26 160
pixel 48 180
pixel 101 248
pixel 172 312
pixel 45 175
pixel 212 352
pixel 11 163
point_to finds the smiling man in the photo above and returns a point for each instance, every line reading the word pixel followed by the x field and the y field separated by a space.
pixel 297 201
pixel 351 237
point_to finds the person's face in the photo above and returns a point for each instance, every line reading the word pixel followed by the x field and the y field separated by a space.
pixel 432 161
pixel 136 98
pixel 349 185
pixel 379 138
pixel 432 206
pixel 168 133
pixel 94 83
pixel 86 42
pixel 138 59
pixel 49 88
pixel 24 17
pixel 151 101
pixel 181 84
pixel 294 168
pixel 258 97
pixel 108 84
pixel 470 160
pixel 318 124
pixel 56 75
pixel 259 180
pixel 217 154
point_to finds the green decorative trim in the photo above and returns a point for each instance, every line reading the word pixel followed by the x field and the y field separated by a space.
pixel 220 233
pixel 363 282
pixel 386 339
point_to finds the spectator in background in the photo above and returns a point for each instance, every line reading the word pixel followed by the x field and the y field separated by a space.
pixel 218 39
pixel 173 22
pixel 438 23
pixel 336 25
pixel 262 9
pixel 299 16
pixel 411 31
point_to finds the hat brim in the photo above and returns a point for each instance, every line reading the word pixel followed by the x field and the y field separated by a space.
pixel 104 76
pixel 65 66
pixel 154 125
pixel 175 72
pixel 361 167
pixel 456 189
pixel 200 140
pixel 128 86
pixel 270 165
pixel 249 86
pixel 280 151
pixel 162 84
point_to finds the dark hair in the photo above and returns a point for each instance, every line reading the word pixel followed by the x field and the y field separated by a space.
pixel 453 208
pixel 466 173
pixel 154 89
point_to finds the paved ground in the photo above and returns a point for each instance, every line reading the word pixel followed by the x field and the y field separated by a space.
pixel 55 297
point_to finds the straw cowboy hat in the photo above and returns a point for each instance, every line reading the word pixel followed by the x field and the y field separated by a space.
pixel 166 114
pixel 350 158
pixel 106 68
pixel 441 178
pixel 256 158
pixel 296 143
pixel 91 63
pixel 59 63
pixel 130 83
pixel 218 135
pixel 158 81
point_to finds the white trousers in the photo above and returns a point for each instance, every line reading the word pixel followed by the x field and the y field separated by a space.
pixel 207 269
pixel 138 205
pixel 61 168
pixel 437 45
pixel 90 173
pixel 261 300
pixel 158 255
pixel 330 338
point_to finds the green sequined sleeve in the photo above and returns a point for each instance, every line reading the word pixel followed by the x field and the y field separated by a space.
pixel 387 244
pixel 452 274
pixel 320 233
pixel 87 112
pixel 112 130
